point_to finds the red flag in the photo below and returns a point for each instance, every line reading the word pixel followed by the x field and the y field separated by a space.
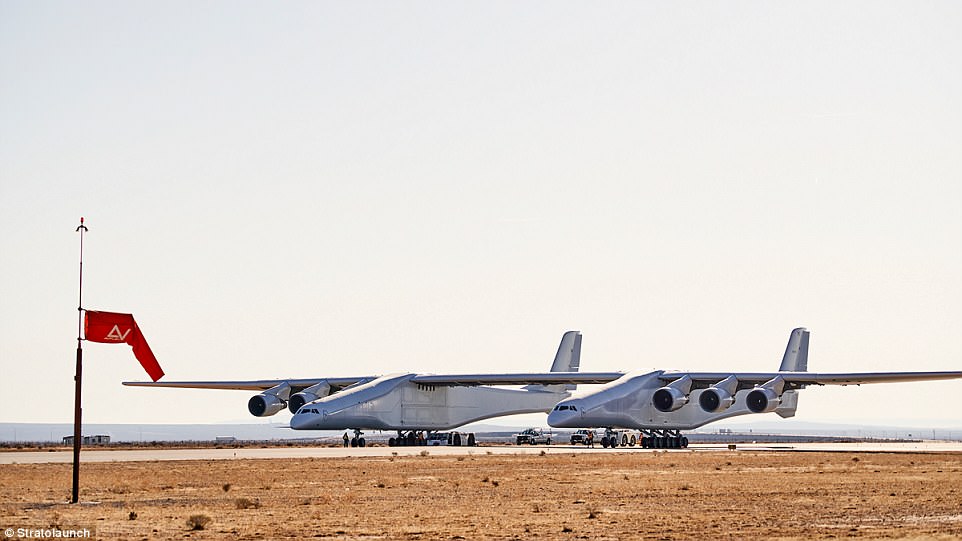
pixel 114 328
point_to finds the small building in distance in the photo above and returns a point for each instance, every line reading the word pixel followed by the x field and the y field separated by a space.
pixel 100 439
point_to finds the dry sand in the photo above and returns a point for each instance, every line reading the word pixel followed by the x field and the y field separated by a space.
pixel 603 495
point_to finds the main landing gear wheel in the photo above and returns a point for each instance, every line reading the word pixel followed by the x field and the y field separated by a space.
pixel 663 439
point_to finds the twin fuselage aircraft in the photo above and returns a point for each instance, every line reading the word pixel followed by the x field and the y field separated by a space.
pixel 660 404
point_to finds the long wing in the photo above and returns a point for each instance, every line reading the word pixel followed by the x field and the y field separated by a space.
pixel 546 378
pixel 795 380
pixel 253 385
pixel 699 379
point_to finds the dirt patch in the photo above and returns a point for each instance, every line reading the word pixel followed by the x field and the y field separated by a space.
pixel 604 495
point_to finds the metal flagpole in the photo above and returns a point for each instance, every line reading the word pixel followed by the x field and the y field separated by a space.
pixel 76 404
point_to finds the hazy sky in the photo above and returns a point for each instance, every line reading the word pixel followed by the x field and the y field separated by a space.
pixel 301 189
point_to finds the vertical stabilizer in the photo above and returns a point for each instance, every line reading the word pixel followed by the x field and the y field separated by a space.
pixel 568 357
pixel 796 353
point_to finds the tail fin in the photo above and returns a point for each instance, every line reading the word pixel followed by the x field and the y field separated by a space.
pixel 568 358
pixel 796 353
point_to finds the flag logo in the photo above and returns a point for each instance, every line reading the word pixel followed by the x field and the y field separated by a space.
pixel 106 327
pixel 115 334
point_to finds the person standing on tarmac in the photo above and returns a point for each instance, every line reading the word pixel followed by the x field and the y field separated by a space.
pixel 591 439
pixel 346 439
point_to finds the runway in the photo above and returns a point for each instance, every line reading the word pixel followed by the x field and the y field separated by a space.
pixel 148 455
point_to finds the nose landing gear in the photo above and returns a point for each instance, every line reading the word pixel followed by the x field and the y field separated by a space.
pixel 357 440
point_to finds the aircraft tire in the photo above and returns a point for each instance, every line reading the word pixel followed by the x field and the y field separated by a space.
pixel 472 442
pixel 632 442
pixel 684 442
pixel 353 442
pixel 457 440
pixel 360 442
pixel 604 442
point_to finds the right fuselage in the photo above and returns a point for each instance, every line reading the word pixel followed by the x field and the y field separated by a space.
pixel 628 403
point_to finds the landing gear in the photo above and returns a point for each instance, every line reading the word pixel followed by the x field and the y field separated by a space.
pixel 663 439
pixel 357 440
pixel 416 438
pixel 410 438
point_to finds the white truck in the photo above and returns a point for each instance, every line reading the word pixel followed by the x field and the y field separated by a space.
pixel 580 437
pixel 533 436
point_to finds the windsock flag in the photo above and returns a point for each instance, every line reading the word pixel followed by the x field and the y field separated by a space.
pixel 114 328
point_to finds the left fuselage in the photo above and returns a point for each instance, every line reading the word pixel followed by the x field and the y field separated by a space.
pixel 393 402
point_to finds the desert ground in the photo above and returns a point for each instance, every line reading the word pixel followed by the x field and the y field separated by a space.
pixel 603 495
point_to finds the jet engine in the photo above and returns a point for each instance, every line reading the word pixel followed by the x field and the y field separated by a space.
pixel 719 396
pixel 265 405
pixel 270 401
pixel 672 396
pixel 714 399
pixel 308 395
pixel 767 397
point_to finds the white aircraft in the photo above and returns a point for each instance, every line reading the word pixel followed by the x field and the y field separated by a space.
pixel 410 403
pixel 662 403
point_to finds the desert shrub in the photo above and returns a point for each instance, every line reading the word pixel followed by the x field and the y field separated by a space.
pixel 226 487
pixel 198 522
pixel 246 503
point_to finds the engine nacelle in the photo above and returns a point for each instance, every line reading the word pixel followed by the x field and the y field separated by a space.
pixel 672 396
pixel 714 399
pixel 668 399
pixel 763 400
pixel 265 405
pixel 308 395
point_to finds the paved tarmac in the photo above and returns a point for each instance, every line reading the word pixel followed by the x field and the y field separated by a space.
pixel 140 455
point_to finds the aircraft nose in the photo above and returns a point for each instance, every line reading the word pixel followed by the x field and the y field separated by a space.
pixel 300 421
pixel 560 419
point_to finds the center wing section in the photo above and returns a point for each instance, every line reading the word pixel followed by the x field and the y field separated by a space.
pixel 544 378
